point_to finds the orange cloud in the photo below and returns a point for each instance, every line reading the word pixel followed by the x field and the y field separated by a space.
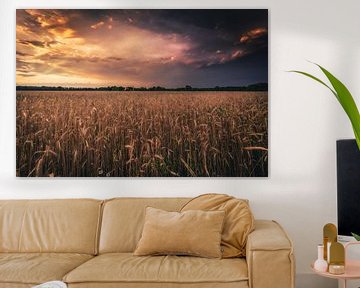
pixel 221 57
pixel 62 32
pixel 97 25
pixel 58 54
pixel 109 24
pixel 252 34
pixel 47 19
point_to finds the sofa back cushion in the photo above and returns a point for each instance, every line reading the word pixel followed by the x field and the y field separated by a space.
pixel 123 220
pixel 66 226
pixel 238 224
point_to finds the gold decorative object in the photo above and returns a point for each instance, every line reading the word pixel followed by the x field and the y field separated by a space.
pixel 337 258
pixel 336 269
pixel 337 254
pixel 330 236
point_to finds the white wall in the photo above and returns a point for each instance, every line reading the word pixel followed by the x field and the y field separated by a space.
pixel 305 119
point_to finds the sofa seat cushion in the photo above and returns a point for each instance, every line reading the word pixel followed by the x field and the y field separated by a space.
pixel 36 268
pixel 125 267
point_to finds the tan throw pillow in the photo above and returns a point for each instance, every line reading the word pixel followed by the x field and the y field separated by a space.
pixel 196 233
pixel 239 220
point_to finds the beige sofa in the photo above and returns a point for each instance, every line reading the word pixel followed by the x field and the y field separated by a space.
pixel 89 243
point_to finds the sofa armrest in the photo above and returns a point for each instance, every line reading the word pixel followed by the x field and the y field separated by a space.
pixel 269 256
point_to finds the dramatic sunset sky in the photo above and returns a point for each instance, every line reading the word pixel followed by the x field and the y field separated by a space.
pixel 170 48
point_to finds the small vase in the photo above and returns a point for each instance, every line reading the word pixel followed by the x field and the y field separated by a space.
pixel 320 264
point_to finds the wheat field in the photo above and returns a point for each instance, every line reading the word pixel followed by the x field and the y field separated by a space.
pixel 132 134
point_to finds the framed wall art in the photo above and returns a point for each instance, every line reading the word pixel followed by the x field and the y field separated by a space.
pixel 142 93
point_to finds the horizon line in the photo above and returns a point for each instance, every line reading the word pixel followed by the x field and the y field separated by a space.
pixel 256 85
pixel 147 87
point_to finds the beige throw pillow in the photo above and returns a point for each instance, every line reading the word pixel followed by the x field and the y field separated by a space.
pixel 239 220
pixel 194 232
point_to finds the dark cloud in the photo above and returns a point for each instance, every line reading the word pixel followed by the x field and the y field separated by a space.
pixel 22 53
pixel 112 58
pixel 32 42
pixel 36 43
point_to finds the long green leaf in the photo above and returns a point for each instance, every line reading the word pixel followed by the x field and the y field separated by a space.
pixel 347 102
pixel 357 137
pixel 344 97
pixel 316 79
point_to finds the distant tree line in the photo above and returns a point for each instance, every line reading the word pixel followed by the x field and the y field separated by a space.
pixel 252 87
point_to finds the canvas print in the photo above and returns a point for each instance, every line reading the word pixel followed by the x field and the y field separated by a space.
pixel 142 93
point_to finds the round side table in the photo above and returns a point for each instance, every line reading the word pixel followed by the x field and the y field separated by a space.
pixel 352 269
